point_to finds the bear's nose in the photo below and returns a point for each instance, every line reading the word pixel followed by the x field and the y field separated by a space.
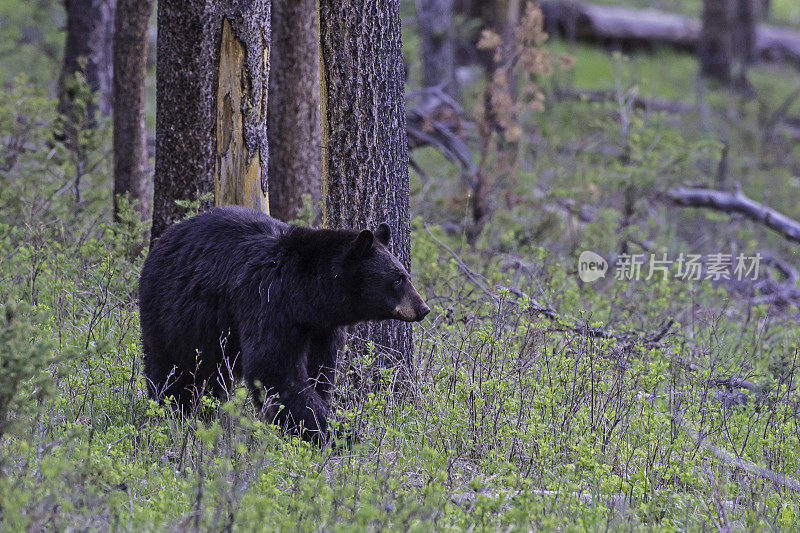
pixel 423 311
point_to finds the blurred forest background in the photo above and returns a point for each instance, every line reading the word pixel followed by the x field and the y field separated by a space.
pixel 503 140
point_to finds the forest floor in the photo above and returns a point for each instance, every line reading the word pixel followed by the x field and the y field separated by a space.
pixel 536 400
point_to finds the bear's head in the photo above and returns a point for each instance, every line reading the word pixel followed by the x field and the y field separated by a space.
pixel 382 285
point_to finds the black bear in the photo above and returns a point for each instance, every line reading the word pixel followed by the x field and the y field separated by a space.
pixel 235 293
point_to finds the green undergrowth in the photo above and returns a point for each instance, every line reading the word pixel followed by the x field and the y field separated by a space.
pixel 535 401
pixel 507 419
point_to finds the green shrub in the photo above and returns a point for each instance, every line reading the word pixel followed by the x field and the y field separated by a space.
pixel 24 357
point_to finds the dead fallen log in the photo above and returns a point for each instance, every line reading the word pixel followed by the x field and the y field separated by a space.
pixel 580 20
pixel 774 43
pixel 737 202
pixel 651 27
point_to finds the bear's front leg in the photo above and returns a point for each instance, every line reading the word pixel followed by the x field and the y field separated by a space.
pixel 268 375
pixel 323 354
pixel 304 412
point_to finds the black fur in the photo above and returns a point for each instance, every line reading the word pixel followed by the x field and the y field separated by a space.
pixel 234 293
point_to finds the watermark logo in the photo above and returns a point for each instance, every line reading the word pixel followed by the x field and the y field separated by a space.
pixel 591 267
pixel 685 267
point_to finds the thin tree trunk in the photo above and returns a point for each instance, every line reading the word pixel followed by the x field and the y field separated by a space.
pixel 131 36
pixel 437 49
pixel 716 40
pixel 764 8
pixel 748 13
pixel 508 20
pixel 295 162
pixel 211 83
pixel 364 145
pixel 90 30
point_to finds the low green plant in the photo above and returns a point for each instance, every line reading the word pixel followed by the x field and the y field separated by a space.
pixel 25 355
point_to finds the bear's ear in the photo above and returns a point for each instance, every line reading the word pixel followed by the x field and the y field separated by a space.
pixel 383 234
pixel 362 244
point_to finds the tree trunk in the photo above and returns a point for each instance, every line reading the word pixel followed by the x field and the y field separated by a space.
pixel 364 145
pixel 764 8
pixel 716 39
pixel 131 36
pixel 748 13
pixel 90 30
pixel 295 162
pixel 211 84
pixel 437 49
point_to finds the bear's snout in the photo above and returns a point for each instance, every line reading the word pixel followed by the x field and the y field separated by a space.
pixel 412 308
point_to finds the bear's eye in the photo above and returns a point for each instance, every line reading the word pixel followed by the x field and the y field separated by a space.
pixel 398 280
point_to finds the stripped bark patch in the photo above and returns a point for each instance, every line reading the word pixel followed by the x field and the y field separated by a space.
pixel 237 176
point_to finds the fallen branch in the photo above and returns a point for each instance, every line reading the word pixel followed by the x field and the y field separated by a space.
pixel 437 121
pixel 639 102
pixel 618 502
pixel 727 457
pixel 737 202
pixel 788 271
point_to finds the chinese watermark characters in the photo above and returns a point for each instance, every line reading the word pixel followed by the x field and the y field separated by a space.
pixel 686 267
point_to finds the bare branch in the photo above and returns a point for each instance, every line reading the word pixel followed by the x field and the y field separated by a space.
pixel 737 202
pixel 727 457
pixel 436 120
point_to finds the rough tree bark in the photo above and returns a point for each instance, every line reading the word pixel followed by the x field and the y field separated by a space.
pixel 437 49
pixel 716 39
pixel 90 29
pixel 293 119
pixel 212 79
pixel 131 36
pixel 364 145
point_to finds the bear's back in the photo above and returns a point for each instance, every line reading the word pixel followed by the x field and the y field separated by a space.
pixel 206 254
pixel 233 221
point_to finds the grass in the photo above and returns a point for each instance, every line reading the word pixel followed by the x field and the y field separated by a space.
pixel 508 419
pixel 505 420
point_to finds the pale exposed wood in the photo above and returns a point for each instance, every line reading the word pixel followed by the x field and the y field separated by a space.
pixel 211 131
pixel 237 176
